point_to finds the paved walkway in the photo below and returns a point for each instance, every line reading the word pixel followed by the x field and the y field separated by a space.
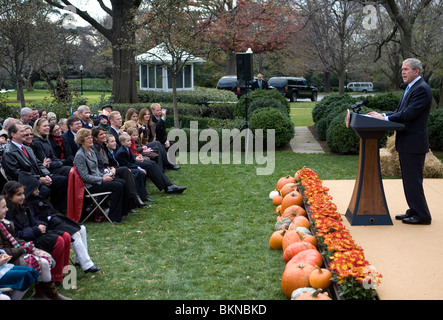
pixel 304 141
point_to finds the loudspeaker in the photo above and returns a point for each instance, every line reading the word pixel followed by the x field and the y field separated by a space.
pixel 244 67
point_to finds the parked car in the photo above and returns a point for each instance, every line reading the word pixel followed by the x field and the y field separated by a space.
pixel 294 87
pixel 231 83
pixel 361 86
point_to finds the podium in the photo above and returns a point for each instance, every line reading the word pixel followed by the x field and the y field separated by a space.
pixel 368 203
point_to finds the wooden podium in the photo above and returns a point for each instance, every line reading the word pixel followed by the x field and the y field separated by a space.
pixel 368 203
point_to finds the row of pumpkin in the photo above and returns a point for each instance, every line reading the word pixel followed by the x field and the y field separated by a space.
pixel 303 277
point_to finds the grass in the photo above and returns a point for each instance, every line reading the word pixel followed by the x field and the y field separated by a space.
pixel 209 243
pixel 301 113
pixel 41 95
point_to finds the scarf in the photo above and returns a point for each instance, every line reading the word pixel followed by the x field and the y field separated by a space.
pixel 30 259
pixel 59 141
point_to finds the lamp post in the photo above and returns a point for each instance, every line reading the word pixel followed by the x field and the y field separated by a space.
pixel 81 79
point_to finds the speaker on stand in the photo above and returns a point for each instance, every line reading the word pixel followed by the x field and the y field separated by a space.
pixel 244 77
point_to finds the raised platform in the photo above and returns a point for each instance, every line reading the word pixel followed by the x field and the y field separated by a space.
pixel 409 257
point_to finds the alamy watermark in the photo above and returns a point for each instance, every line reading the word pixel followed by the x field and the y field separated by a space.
pixel 226 149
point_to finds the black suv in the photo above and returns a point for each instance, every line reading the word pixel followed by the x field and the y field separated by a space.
pixel 228 83
pixel 294 87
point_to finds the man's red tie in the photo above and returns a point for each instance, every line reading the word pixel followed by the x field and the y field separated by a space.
pixel 24 151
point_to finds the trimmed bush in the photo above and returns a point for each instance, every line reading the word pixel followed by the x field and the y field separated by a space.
pixel 239 110
pixel 270 118
pixel 384 102
pixel 341 139
pixel 435 126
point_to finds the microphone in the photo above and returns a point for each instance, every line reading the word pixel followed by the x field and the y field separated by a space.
pixel 356 107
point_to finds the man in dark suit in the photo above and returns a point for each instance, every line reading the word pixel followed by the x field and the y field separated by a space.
pixel 260 83
pixel 412 143
pixel 74 124
pixel 115 120
pixel 19 159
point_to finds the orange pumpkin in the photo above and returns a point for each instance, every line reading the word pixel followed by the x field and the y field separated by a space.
pixel 277 199
pixel 283 181
pixel 317 295
pixel 320 278
pixel 278 210
pixel 297 276
pixel 308 256
pixel 307 238
pixel 294 248
pixel 287 188
pixel 290 236
pixel 275 241
pixel 300 221
pixel 293 211
pixel 292 198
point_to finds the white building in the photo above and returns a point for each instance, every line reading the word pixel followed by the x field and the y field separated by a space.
pixel 154 75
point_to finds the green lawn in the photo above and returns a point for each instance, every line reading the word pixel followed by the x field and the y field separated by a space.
pixel 41 95
pixel 301 113
pixel 211 242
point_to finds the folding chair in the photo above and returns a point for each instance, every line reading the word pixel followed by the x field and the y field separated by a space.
pixel 76 183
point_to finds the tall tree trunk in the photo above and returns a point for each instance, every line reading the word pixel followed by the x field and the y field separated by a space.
pixel 124 85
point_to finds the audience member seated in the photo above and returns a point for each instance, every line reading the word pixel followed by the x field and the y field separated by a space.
pixel 43 149
pixel 38 260
pixel 18 159
pixel 135 183
pixel 43 210
pixel 60 145
pixel 87 165
pixel 28 228
pixel 74 124
pixel 126 158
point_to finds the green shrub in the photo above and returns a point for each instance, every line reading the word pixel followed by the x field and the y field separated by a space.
pixel 266 102
pixel 325 106
pixel 198 96
pixel 384 102
pixel 239 110
pixel 270 118
pixel 435 126
pixel 341 139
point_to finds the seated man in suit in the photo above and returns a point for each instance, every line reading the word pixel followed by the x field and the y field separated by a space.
pixel 84 113
pixel 115 120
pixel 74 124
pixel 19 159
pixel 126 158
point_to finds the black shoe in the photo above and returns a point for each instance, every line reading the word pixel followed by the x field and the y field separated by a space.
pixel 118 222
pixel 408 214
pixel 93 269
pixel 174 167
pixel 148 199
pixel 415 220
pixel 145 206
pixel 175 189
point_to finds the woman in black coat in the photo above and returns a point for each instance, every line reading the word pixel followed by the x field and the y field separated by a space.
pixel 60 146
pixel 43 149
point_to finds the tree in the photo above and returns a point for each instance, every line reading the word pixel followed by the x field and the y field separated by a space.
pixel 263 26
pixel 335 28
pixel 177 27
pixel 24 30
pixel 121 35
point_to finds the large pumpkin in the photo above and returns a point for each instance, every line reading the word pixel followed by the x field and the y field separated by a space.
pixel 317 295
pixel 297 276
pixel 293 211
pixel 300 221
pixel 320 278
pixel 308 256
pixel 292 198
pixel 294 248
pixel 290 236
pixel 277 199
pixel 276 239
pixel 287 188
pixel 283 181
